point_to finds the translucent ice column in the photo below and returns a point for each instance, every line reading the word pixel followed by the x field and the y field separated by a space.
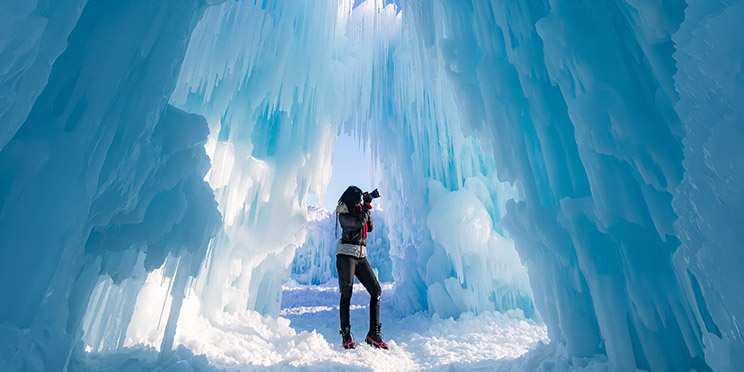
pixel 576 102
pixel 95 167
pixel 276 82
pixel 264 77
pixel 709 201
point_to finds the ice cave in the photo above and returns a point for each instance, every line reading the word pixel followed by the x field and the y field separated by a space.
pixel 562 183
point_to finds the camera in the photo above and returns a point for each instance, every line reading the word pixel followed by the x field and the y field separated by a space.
pixel 368 196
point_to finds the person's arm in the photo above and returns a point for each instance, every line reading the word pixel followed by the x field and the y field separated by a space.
pixel 369 217
pixel 354 222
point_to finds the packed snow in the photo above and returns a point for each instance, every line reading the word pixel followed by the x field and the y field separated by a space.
pixel 305 336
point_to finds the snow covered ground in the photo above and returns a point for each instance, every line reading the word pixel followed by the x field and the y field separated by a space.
pixel 419 341
pixel 305 337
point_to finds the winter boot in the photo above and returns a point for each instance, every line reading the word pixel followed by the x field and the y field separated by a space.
pixel 374 337
pixel 348 343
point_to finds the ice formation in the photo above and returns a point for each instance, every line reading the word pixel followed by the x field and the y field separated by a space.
pixel 596 143
pixel 97 169
pixel 708 201
pixel 279 108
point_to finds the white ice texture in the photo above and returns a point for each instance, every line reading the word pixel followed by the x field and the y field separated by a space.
pixel 578 162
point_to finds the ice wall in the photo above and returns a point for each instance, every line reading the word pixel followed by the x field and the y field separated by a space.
pixel 577 102
pixel 277 82
pixel 414 127
pixel 95 169
pixel 601 137
pixel 574 100
pixel 378 247
pixel 261 74
pixel 709 201
pixel 314 260
pixel 34 36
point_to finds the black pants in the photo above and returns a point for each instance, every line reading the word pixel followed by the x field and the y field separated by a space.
pixel 349 266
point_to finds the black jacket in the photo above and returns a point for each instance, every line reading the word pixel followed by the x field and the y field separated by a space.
pixel 353 225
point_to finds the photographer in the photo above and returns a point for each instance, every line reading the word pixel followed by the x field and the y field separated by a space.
pixel 351 259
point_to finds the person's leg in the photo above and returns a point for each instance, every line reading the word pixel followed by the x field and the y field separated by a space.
pixel 345 266
pixel 369 281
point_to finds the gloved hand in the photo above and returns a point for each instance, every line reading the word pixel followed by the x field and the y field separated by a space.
pixel 367 198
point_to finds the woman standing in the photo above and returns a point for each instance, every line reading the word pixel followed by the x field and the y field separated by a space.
pixel 351 259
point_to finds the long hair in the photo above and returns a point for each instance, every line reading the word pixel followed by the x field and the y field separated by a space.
pixel 351 197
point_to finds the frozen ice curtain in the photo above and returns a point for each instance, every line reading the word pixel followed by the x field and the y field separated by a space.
pixel 578 163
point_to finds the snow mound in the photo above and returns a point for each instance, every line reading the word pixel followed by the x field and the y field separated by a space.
pixel 309 340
